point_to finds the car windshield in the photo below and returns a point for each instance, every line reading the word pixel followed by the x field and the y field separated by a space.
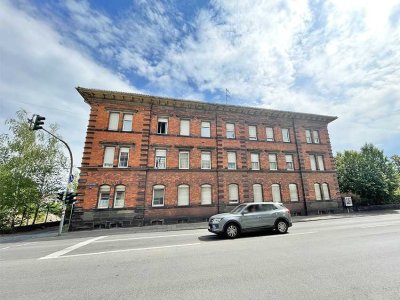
pixel 237 209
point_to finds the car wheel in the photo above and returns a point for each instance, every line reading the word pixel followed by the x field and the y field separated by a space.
pixel 231 231
pixel 281 226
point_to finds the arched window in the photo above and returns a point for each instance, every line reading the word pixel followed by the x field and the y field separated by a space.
pixel 325 191
pixel 183 195
pixel 233 193
pixel 257 192
pixel 276 193
pixel 294 196
pixel 206 194
pixel 158 195
pixel 104 196
pixel 119 196
pixel 317 189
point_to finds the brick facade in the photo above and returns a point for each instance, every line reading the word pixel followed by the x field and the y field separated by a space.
pixel 135 205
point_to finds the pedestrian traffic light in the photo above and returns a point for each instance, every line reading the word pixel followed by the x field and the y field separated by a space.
pixel 60 196
pixel 70 199
pixel 38 122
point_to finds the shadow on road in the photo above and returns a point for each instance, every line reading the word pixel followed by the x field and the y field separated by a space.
pixel 215 238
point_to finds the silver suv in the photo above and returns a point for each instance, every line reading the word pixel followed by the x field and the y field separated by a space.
pixel 249 217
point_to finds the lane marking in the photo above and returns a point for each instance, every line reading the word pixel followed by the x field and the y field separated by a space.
pixel 146 237
pixel 4 248
pixel 125 250
pixel 71 248
pixel 378 225
pixel 289 234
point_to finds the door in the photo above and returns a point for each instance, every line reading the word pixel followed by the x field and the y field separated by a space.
pixel 251 217
pixel 268 215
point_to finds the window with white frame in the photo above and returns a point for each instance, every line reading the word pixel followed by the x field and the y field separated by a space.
pixel 183 160
pixel 308 136
pixel 316 136
pixel 233 193
pixel 272 162
pixel 253 132
pixel 255 161
pixel 232 160
pixel 127 122
pixel 317 189
pixel 108 157
pixel 257 192
pixel 205 160
pixel 183 195
pixel 325 192
pixel 285 135
pixel 230 130
pixel 276 193
pixel 119 197
pixel 158 195
pixel 113 121
pixel 206 194
pixel 294 196
pixel 269 131
pixel 104 196
pixel 123 157
pixel 162 126
pixel 185 127
pixel 320 160
pixel 313 163
pixel 205 129
pixel 289 162
pixel 161 159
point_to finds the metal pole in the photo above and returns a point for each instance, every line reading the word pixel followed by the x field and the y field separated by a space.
pixel 64 207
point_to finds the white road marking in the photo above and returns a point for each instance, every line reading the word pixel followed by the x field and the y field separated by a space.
pixel 289 234
pixel 146 237
pixel 4 248
pixel 73 247
pixel 125 250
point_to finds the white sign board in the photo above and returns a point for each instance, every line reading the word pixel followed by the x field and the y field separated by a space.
pixel 348 201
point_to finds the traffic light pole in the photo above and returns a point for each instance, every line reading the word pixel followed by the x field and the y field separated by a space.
pixel 64 207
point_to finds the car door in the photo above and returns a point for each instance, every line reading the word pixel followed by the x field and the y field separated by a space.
pixel 268 215
pixel 251 217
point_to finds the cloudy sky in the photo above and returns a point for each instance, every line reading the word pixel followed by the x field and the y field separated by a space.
pixel 337 58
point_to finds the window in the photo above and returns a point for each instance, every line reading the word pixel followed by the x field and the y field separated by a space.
pixel 325 192
pixel 183 195
pixel 294 196
pixel 230 130
pixel 113 122
pixel 162 127
pixel 317 189
pixel 123 157
pixel 253 133
pixel 205 194
pixel 316 136
pixel 289 162
pixel 320 160
pixel 161 159
pixel 313 163
pixel 158 195
pixel 108 157
pixel 272 162
pixel 183 160
pixel 104 196
pixel 308 136
pixel 127 123
pixel 119 197
pixel 206 160
pixel 255 161
pixel 185 127
pixel 232 160
pixel 205 129
pixel 276 193
pixel 269 131
pixel 257 192
pixel 285 135
pixel 233 193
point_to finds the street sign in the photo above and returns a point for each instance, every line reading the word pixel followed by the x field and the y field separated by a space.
pixel 348 202
pixel 71 178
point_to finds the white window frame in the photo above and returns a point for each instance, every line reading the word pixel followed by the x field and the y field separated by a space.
pixel 269 134
pixel 273 161
pixel 293 192
pixel 315 137
pixel 127 122
pixel 289 162
pixel 260 192
pixel 180 160
pixel 108 155
pixel 233 154
pixel 162 120
pixel 157 165
pixel 185 201
pixel 255 161
pixel 253 132
pixel 185 127
pixel 317 190
pixel 285 135
pixel 101 203
pixel 308 136
pixel 205 200
pixel 233 188
pixel 123 150
pixel 158 187
pixel 205 130
pixel 203 155
pixel 276 193
pixel 113 122
pixel 313 162
pixel 325 191
pixel 230 132
pixel 119 189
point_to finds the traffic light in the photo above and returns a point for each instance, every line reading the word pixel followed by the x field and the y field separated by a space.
pixel 70 199
pixel 38 122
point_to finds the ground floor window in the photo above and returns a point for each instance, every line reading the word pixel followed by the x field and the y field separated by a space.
pixel 183 195
pixel 276 193
pixel 158 195
pixel 119 198
pixel 205 194
pixel 257 192
pixel 233 193
pixel 104 196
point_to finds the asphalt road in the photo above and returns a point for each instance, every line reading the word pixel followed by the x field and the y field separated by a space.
pixel 353 258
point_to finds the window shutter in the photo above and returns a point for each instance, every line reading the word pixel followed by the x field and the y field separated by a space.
pixel 206 194
pixel 114 120
pixel 257 192
pixel 293 192
pixel 183 195
pixel 185 127
pixel 276 193
pixel 108 157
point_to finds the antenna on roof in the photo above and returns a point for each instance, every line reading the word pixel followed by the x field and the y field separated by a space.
pixel 227 94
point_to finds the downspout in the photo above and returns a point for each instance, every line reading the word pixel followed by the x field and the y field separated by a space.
pixel 216 143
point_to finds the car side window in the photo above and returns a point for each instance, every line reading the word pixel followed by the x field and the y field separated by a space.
pixel 252 208
pixel 268 207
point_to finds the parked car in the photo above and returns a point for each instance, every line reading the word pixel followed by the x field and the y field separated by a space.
pixel 250 217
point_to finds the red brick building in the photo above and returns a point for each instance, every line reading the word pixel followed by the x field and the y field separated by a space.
pixel 152 160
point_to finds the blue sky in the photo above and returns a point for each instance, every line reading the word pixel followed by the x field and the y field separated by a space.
pixel 329 57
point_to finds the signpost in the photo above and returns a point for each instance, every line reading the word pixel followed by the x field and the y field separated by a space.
pixel 348 202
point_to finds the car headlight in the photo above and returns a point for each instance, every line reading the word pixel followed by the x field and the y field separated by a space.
pixel 216 221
